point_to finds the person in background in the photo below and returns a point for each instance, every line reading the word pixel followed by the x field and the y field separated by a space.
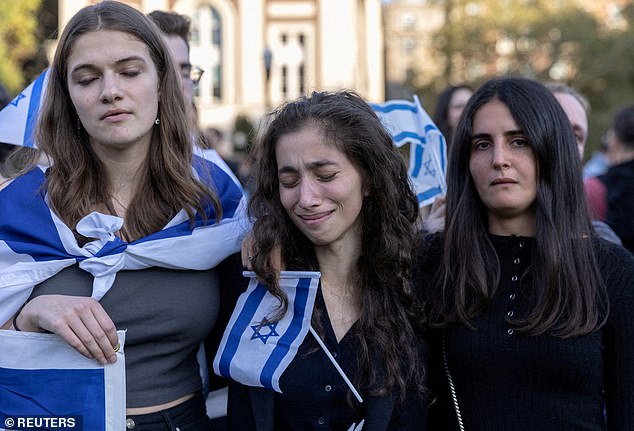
pixel 597 164
pixel 449 105
pixel 176 29
pixel 577 109
pixel 611 195
pixel 131 228
pixel 529 308
pixel 332 195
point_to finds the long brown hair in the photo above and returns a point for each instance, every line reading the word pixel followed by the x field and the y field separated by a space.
pixel 388 216
pixel 77 181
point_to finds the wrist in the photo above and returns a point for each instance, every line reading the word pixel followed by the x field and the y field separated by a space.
pixel 15 320
pixel 21 321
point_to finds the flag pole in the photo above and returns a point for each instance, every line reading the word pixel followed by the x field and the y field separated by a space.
pixel 334 362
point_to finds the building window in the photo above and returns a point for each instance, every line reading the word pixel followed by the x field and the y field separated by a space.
pixel 207 51
pixel 216 28
pixel 285 81
pixel 195 30
pixel 302 79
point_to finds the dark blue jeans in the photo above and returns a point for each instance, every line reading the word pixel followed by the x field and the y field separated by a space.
pixel 188 416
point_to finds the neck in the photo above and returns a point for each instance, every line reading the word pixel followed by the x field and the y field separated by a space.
pixel 521 226
pixel 338 261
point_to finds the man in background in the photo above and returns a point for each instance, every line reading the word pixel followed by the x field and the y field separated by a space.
pixel 611 195
pixel 577 109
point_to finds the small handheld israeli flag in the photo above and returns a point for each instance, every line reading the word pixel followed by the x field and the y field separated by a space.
pixel 18 118
pixel 256 348
pixel 46 384
pixel 407 122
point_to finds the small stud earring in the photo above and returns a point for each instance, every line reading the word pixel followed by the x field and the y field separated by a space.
pixel 157 121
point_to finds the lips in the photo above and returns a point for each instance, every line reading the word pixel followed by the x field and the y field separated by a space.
pixel 314 218
pixel 500 181
pixel 114 114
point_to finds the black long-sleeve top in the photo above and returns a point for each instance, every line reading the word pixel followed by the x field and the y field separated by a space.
pixel 316 397
pixel 505 380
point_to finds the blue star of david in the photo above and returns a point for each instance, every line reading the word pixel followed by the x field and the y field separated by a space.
pixel 17 99
pixel 257 334
pixel 429 170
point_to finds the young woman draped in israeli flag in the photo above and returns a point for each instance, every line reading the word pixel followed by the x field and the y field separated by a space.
pixel 332 194
pixel 122 231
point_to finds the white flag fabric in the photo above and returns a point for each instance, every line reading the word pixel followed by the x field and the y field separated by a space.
pixel 35 244
pixel 18 118
pixel 407 122
pixel 256 348
pixel 46 384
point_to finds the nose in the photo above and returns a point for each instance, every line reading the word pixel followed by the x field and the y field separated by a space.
pixel 110 90
pixel 308 193
pixel 500 156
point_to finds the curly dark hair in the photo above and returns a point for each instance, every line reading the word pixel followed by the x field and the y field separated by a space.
pixel 388 216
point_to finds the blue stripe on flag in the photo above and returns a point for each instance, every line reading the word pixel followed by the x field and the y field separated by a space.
pixel 34 108
pixel 60 393
pixel 411 135
pixel 286 340
pixel 20 218
pixel 242 321
pixel 429 193
pixel 394 107
pixel 418 160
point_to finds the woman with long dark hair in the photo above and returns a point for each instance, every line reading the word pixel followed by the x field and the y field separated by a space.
pixel 332 193
pixel 532 311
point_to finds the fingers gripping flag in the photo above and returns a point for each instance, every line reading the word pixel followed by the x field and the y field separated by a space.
pixel 256 348
pixel 18 118
pixel 407 122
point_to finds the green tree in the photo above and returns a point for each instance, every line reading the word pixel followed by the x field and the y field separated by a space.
pixel 18 41
pixel 542 39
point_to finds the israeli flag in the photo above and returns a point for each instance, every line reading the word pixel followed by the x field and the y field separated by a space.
pixel 18 118
pixel 256 347
pixel 35 244
pixel 407 122
pixel 46 384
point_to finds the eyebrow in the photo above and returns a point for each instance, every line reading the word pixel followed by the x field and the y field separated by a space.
pixel 118 62
pixel 488 135
pixel 310 166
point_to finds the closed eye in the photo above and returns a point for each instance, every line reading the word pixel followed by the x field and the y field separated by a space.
pixel 327 177
pixel 86 81
pixel 288 181
pixel 131 73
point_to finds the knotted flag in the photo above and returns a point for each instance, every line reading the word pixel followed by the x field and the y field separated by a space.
pixel 258 344
pixel 407 122
pixel 35 244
